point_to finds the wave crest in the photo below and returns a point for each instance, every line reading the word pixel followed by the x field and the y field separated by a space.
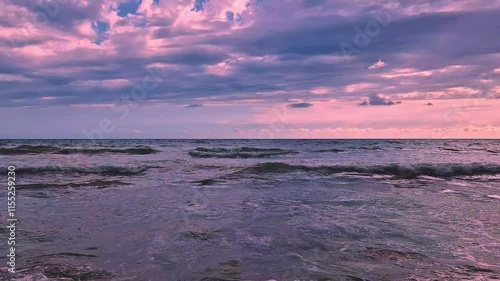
pixel 242 152
pixel 91 183
pixel 99 170
pixel 46 149
pixel 396 170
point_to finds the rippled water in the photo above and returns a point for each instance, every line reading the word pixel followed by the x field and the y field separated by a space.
pixel 261 209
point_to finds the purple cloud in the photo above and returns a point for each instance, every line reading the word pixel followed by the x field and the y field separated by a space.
pixel 92 54
pixel 300 105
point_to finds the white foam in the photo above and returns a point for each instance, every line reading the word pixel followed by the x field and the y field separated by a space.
pixel 448 191
pixel 494 196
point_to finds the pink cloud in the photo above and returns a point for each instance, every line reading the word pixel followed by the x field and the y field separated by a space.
pixel 411 116
pixel 360 87
pixel 378 65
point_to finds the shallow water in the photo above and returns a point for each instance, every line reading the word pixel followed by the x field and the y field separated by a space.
pixel 261 209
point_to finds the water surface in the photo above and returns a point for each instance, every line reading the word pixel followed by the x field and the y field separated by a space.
pixel 261 209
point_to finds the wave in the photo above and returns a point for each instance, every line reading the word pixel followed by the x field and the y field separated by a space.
pixel 367 147
pixel 28 149
pixel 461 150
pixel 396 170
pixel 243 152
pixel 330 150
pixel 92 183
pixel 394 142
pixel 99 170
pixel 46 149
pixel 450 149
pixel 138 151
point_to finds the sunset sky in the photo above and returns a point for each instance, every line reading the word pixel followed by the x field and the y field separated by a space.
pixel 250 69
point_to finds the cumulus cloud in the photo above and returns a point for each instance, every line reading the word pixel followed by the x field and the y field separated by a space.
pixel 300 105
pixel 110 44
pixel 376 99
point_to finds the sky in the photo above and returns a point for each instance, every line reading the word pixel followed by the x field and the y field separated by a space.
pixel 249 69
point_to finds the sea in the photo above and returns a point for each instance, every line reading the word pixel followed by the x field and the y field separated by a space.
pixel 253 209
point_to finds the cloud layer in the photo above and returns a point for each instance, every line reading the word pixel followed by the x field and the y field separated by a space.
pixel 256 54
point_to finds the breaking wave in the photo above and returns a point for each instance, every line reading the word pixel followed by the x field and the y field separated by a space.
pixel 99 170
pixel 243 152
pixel 396 170
pixel 46 149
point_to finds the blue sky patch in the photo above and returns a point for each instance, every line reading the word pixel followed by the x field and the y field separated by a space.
pixel 198 5
pixel 129 7
pixel 100 29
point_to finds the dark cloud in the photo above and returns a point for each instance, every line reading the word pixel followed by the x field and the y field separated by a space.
pixel 299 53
pixel 300 105
pixel 375 99
pixel 196 56
pixel 194 105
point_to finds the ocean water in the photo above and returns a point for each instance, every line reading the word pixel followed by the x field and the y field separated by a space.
pixel 256 209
